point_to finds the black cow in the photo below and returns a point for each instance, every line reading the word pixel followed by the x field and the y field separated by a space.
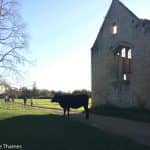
pixel 67 101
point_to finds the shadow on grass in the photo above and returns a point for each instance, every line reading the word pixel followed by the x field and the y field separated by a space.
pixel 52 132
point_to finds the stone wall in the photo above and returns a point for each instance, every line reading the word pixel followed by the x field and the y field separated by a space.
pixel 131 32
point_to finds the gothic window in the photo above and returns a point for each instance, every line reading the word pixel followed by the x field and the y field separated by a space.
pixel 123 63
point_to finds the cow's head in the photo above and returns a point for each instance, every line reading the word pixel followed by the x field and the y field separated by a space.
pixel 55 98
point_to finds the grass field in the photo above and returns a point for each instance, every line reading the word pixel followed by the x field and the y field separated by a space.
pixel 41 130
pixel 130 113
pixel 40 103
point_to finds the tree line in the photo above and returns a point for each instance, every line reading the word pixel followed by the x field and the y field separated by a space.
pixel 37 93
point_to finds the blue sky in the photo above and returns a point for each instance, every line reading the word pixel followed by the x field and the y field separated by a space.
pixel 61 35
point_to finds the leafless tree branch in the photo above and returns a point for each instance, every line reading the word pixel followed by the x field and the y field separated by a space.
pixel 13 38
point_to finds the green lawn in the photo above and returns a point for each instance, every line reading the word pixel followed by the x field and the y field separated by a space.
pixel 46 103
pixel 8 110
pixel 41 130
pixel 130 113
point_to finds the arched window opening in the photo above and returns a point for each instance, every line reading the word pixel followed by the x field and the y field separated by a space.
pixel 123 52
pixel 115 29
pixel 124 76
pixel 129 54
pixel 123 57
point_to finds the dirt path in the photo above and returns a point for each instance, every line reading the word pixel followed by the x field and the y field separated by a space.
pixel 137 131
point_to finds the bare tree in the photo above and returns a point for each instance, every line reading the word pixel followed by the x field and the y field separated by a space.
pixel 13 38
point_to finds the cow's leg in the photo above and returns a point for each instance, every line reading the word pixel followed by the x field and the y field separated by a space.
pixel 68 109
pixel 86 111
pixel 64 111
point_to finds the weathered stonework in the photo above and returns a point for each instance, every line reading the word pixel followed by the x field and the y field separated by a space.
pixel 119 80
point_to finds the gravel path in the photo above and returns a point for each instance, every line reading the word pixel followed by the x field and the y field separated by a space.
pixel 137 131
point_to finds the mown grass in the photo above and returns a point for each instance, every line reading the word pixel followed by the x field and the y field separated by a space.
pixel 130 113
pixel 37 129
pixel 8 110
